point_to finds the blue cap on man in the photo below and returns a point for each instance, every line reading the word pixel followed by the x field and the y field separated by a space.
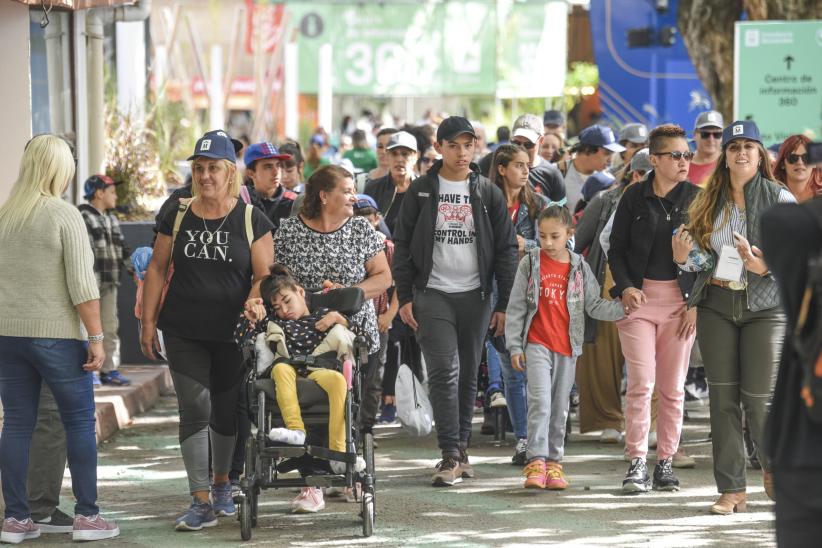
pixel 217 145
pixel 600 136
pixel 262 151
pixel 741 129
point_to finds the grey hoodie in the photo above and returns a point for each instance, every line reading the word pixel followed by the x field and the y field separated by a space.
pixel 583 295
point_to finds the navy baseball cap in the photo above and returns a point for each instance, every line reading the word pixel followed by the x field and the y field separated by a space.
pixel 454 126
pixel 95 183
pixel 553 118
pixel 597 182
pixel 600 136
pixel 262 151
pixel 217 145
pixel 741 129
pixel 364 200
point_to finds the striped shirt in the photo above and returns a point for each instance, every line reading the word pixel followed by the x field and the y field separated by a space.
pixel 732 219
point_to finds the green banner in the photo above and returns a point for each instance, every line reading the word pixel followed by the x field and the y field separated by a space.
pixel 459 47
pixel 778 77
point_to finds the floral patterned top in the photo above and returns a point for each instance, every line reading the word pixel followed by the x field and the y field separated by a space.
pixel 339 256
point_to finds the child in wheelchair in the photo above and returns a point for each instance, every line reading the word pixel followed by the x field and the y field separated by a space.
pixel 309 343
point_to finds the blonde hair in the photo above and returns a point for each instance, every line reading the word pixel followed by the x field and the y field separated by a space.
pixel 235 180
pixel 45 170
pixel 718 188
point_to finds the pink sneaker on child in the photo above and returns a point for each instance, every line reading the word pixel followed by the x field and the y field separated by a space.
pixel 15 532
pixel 535 474
pixel 556 477
pixel 309 501
pixel 93 528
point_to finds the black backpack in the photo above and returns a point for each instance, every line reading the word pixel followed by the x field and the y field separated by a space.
pixel 807 339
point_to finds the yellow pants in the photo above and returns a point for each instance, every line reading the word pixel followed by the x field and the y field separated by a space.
pixel 285 383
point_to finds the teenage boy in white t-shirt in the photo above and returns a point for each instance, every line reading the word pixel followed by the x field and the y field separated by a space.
pixel 452 237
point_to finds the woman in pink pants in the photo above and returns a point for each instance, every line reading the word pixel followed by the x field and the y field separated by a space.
pixel 657 336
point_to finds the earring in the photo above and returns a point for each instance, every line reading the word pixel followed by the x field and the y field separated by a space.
pixel 325 203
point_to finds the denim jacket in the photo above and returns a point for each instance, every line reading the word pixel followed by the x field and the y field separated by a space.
pixel 527 228
pixel 583 295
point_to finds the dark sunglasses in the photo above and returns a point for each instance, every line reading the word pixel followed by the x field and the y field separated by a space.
pixel 676 155
pixel 425 160
pixel 793 158
pixel 528 146
pixel 709 134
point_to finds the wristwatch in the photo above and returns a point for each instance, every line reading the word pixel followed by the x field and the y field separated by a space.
pixel 96 338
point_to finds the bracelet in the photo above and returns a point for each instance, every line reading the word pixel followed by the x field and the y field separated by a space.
pixel 96 338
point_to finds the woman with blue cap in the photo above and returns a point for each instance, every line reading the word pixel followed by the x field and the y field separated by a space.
pixel 219 249
pixel 740 322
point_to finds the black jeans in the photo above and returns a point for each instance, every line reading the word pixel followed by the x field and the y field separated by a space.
pixel 798 507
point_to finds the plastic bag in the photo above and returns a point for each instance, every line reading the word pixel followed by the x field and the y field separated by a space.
pixel 413 408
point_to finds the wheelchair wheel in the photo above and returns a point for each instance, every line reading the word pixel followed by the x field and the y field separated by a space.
pixel 252 470
pixel 244 511
pixel 368 454
pixel 368 511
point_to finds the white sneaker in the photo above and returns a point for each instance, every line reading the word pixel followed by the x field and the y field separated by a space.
pixel 610 435
pixel 338 467
pixel 284 435
pixel 498 400
pixel 309 501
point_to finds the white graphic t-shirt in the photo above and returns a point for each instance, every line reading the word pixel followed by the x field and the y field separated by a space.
pixel 456 264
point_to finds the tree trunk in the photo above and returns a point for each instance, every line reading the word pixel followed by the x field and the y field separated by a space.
pixel 707 27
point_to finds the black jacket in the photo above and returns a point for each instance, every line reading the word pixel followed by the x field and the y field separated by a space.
pixel 275 208
pixel 632 236
pixel 383 191
pixel 414 236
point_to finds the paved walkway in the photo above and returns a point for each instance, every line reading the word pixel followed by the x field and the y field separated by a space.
pixel 142 485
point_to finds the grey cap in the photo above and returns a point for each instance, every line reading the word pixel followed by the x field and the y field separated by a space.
pixel 528 126
pixel 635 133
pixel 709 118
pixel 641 160
pixel 402 139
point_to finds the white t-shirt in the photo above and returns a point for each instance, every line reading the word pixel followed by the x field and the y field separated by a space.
pixel 455 261
pixel 573 186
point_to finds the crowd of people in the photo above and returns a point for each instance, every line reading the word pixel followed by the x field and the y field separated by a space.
pixel 571 268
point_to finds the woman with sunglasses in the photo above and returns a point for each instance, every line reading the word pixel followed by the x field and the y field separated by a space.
pixel 741 322
pixel 658 334
pixel 792 169
pixel 427 159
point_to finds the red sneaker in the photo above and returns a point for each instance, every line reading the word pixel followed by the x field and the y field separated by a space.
pixel 556 477
pixel 535 474
pixel 15 532
pixel 93 528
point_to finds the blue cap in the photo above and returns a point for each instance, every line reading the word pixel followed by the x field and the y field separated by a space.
pixel 95 183
pixel 217 145
pixel 318 140
pixel 364 200
pixel 553 118
pixel 595 183
pixel 600 136
pixel 262 151
pixel 741 129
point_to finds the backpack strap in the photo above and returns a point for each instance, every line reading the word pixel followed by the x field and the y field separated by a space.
pixel 249 231
pixel 178 220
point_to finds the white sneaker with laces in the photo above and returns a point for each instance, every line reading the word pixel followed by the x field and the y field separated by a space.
pixel 498 400
pixel 309 501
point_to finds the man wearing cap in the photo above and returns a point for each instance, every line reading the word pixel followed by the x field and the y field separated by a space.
pixel 453 237
pixel 708 139
pixel 633 137
pixel 592 153
pixel 110 256
pixel 264 165
pixel 390 190
pixel 545 178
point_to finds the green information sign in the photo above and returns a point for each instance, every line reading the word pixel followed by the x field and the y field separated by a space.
pixel 459 47
pixel 778 77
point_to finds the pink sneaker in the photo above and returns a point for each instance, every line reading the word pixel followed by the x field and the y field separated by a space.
pixel 556 477
pixel 15 532
pixel 93 528
pixel 309 501
pixel 534 473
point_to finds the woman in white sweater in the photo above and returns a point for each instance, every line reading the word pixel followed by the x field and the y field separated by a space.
pixel 50 332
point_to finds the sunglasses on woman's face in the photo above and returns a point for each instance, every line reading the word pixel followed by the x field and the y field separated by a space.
pixel 709 134
pixel 528 145
pixel 677 155
pixel 793 158
pixel 426 160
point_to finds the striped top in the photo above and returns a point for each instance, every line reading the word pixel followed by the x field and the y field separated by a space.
pixel 732 219
pixel 45 270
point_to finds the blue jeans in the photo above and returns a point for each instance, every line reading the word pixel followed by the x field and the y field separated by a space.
pixel 514 386
pixel 494 371
pixel 24 364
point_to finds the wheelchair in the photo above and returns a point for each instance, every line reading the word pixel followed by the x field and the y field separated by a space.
pixel 266 461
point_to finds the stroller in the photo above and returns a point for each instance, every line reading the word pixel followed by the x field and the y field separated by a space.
pixel 265 460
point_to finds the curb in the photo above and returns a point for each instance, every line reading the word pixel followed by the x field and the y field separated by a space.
pixel 117 406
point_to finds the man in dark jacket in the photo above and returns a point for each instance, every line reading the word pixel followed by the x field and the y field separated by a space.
pixel 453 236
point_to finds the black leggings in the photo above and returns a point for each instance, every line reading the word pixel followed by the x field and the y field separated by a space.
pixel 207 378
